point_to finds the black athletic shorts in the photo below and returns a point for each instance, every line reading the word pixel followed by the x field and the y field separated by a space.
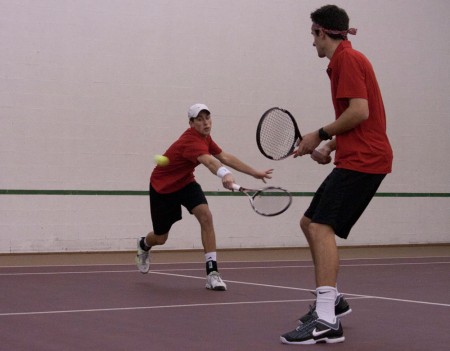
pixel 342 198
pixel 165 209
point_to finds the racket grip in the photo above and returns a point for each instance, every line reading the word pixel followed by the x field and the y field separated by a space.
pixel 236 187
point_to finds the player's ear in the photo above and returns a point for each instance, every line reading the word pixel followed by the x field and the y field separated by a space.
pixel 321 33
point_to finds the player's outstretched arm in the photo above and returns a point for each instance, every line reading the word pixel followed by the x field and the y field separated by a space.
pixel 216 168
pixel 235 163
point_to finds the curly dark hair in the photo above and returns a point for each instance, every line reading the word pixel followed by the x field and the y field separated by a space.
pixel 331 17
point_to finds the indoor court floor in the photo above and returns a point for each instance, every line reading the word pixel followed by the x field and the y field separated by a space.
pixel 400 297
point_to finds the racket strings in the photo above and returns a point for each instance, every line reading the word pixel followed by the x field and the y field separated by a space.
pixel 277 134
pixel 271 201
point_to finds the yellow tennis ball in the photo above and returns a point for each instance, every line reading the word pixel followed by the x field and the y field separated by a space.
pixel 161 160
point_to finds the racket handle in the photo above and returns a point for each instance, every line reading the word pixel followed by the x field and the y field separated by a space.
pixel 236 187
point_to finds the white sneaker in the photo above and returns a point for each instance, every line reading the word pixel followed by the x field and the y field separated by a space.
pixel 142 259
pixel 215 282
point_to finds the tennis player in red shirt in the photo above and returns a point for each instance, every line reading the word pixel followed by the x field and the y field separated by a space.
pixel 174 185
pixel 363 157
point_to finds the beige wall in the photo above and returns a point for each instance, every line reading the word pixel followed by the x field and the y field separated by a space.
pixel 90 90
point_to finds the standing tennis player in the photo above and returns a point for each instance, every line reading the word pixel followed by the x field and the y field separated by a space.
pixel 174 185
pixel 363 157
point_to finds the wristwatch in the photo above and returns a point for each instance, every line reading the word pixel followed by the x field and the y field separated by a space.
pixel 324 135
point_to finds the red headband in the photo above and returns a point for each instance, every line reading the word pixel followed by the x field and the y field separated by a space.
pixel 351 31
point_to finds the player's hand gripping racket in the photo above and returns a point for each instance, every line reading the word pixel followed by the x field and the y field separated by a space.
pixel 268 201
pixel 277 134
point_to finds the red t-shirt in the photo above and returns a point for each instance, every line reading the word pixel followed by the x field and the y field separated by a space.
pixel 182 155
pixel 365 148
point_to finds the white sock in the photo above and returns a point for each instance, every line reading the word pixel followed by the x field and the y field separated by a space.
pixel 211 256
pixel 326 297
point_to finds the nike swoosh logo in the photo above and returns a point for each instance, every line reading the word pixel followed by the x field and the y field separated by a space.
pixel 317 333
pixel 323 292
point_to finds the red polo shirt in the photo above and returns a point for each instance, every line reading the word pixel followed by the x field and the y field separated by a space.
pixel 365 148
pixel 182 155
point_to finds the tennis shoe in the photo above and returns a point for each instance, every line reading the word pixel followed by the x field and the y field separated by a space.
pixel 341 309
pixel 142 258
pixel 315 331
pixel 215 282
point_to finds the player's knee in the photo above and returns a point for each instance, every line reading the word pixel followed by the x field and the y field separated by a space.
pixel 314 228
pixel 206 221
pixel 205 217
pixel 161 239
pixel 317 230
pixel 304 224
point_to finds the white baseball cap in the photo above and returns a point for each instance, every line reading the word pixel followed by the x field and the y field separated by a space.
pixel 194 110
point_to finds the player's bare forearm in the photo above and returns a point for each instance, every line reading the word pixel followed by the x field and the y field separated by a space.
pixel 214 165
pixel 210 162
pixel 332 145
pixel 235 163
pixel 328 147
pixel 356 112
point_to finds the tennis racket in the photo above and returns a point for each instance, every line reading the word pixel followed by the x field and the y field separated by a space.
pixel 269 201
pixel 277 134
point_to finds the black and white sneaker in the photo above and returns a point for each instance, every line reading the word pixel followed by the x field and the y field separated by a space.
pixel 215 282
pixel 142 258
pixel 315 331
pixel 341 309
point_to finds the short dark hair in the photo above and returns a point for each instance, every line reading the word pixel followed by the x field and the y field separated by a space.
pixel 331 17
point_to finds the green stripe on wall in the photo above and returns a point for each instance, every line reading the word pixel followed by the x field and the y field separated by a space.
pixel 208 193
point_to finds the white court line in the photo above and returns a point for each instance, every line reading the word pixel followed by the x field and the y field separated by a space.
pixel 224 261
pixel 221 268
pixel 154 307
pixel 302 289
pixel 353 296
pixel 71 272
